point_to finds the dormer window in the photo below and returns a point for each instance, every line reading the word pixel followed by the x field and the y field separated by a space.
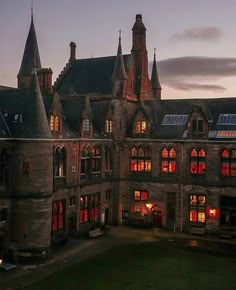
pixel 197 126
pixel 108 126
pixel 54 123
pixel 86 127
pixel 140 126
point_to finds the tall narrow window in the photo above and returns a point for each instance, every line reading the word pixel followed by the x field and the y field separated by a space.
pixel 96 160
pixel 197 213
pixel 108 126
pixel 86 127
pixel 197 161
pixel 140 126
pixel 54 123
pixel 108 161
pixel 228 162
pixel 140 160
pixel 85 165
pixel 89 208
pixel 197 126
pixel 58 215
pixel 168 160
pixel 60 162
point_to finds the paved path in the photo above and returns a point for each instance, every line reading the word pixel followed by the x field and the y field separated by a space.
pixel 77 250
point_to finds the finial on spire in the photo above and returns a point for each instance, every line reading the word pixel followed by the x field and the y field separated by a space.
pixel 120 34
pixel 155 50
pixel 32 8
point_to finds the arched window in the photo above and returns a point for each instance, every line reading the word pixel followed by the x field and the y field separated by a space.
pixel 85 164
pixel 108 161
pixel 96 160
pixel 197 161
pixel 89 208
pixel 60 162
pixel 140 127
pixel 58 215
pixel 140 160
pixel 228 162
pixel 168 160
pixel 197 213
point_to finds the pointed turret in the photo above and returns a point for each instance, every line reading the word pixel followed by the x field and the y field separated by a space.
pixel 119 74
pixel 30 56
pixel 36 116
pixel 139 53
pixel 156 86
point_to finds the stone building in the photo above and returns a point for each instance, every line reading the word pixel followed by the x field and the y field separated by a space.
pixel 100 146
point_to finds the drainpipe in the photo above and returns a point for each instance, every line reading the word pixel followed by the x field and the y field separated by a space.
pixel 181 187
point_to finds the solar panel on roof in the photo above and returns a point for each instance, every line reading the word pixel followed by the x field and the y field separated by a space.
pixel 175 120
pixel 227 119
pixel 225 134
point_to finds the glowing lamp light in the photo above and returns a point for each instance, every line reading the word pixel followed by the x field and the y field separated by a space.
pixel 0 261
pixel 212 213
pixel 148 205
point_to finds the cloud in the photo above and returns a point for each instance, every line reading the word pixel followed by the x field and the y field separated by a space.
pixel 195 73
pixel 209 34
pixel 184 86
pixel 194 66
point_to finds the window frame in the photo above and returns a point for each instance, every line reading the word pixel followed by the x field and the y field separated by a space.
pixel 169 160
pixel 197 161
pixel 198 208
pixel 140 160
pixel 228 162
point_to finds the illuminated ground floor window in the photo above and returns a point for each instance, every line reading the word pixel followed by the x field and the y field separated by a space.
pixel 58 215
pixel 197 213
pixel 89 208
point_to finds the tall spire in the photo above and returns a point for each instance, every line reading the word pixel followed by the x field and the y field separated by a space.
pixel 119 69
pixel 36 116
pixel 156 86
pixel 31 52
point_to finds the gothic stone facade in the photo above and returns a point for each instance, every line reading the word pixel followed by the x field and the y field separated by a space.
pixel 102 147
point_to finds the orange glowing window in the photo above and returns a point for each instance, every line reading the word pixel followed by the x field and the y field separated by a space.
pixel 140 127
pixel 51 124
pixel 197 161
pixel 228 162
pixel 57 124
pixel 140 160
pixel 197 211
pixel 108 126
pixel 168 160
pixel 140 195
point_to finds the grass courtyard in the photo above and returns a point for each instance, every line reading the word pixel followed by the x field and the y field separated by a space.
pixel 152 265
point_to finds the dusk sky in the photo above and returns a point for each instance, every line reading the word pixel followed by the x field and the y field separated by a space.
pixel 195 40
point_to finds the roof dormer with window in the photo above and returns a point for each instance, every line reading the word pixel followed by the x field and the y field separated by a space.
pixel 197 124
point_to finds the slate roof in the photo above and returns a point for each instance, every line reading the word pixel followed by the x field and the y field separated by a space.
pixel 31 55
pixel 89 76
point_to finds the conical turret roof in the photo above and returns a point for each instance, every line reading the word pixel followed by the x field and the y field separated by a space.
pixel 119 72
pixel 31 52
pixel 155 78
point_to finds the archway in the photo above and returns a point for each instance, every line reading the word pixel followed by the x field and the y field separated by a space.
pixel 157 215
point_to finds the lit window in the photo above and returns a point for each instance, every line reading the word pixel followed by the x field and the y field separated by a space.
pixel 140 160
pixel 168 160
pixel 197 205
pixel 86 127
pixel 228 162
pixel 140 127
pixel 54 123
pixel 89 208
pixel 108 126
pixel 58 215
pixel 51 123
pixel 140 195
pixel 197 162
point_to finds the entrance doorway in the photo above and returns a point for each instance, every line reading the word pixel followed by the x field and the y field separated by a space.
pixel 157 216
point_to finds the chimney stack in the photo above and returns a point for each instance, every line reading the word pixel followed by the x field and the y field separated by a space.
pixel 72 51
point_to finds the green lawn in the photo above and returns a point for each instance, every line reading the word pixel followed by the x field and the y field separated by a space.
pixel 147 266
